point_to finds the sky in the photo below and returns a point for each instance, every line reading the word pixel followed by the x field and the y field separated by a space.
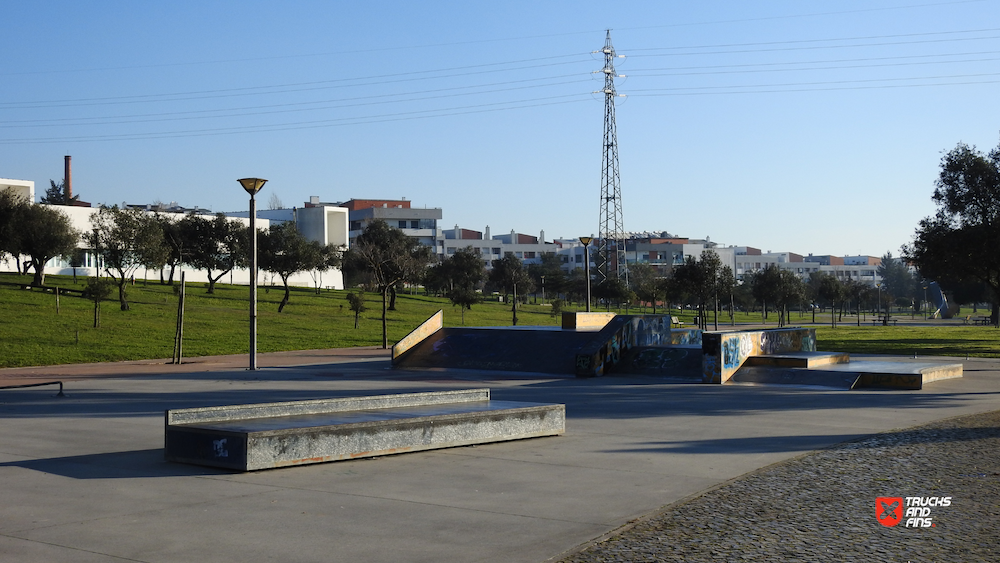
pixel 808 127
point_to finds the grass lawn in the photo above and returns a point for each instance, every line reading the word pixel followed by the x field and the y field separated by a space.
pixel 32 333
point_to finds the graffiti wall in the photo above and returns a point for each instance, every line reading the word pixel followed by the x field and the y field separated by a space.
pixel 626 332
pixel 725 352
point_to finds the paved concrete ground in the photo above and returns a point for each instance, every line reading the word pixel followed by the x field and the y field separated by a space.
pixel 84 478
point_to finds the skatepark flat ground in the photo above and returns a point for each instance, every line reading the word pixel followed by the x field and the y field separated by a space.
pixel 84 478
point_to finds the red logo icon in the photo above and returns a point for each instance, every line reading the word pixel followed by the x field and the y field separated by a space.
pixel 889 510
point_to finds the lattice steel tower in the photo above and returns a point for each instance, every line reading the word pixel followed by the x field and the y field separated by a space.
pixel 610 259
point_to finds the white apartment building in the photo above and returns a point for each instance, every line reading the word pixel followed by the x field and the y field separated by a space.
pixel 325 224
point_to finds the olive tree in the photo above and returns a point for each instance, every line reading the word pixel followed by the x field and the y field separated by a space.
pixel 125 239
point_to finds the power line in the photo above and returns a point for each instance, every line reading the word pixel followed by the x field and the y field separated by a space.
pixel 317 105
pixel 313 124
pixel 291 87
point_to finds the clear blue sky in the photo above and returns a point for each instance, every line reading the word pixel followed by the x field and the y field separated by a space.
pixel 784 125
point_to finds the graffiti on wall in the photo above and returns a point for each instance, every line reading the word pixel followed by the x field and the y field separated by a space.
pixel 726 352
pixel 638 330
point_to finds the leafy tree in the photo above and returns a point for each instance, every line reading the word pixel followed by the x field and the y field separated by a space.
pixel 284 251
pixel 646 284
pixel 215 245
pixel 357 303
pixel 173 239
pixel 44 233
pixel 465 273
pixel 508 273
pixel 779 288
pixel 958 243
pixel 830 290
pixel 12 207
pixel 436 280
pixel 548 274
pixel 700 279
pixel 97 290
pixel 56 194
pixel 76 260
pixel 897 281
pixel 388 257
pixel 125 239
pixel 725 284
pixel 614 290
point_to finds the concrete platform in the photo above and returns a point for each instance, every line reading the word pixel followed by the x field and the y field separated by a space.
pixel 799 359
pixel 271 435
pixel 853 375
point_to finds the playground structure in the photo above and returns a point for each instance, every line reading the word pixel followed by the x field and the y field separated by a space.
pixel 596 344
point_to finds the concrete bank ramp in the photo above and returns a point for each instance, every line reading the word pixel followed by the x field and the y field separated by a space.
pixel 538 349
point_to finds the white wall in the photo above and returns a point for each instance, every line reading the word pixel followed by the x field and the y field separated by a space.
pixel 335 228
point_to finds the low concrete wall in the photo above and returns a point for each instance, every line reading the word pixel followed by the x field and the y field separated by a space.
pixel 725 352
pixel 625 332
pixel 270 435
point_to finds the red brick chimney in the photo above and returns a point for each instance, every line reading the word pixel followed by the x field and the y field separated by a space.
pixel 68 180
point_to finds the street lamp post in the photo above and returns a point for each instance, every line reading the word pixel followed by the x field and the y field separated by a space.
pixel 252 186
pixel 586 264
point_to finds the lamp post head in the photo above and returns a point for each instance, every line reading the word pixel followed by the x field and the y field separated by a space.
pixel 586 240
pixel 252 185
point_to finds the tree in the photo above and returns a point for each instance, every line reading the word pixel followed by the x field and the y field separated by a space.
pixel 548 274
pixel 508 273
pixel 45 233
pixel 357 303
pixel 274 202
pixel 725 284
pixel 125 239
pixel 215 245
pixel 56 195
pixel 830 290
pixel 97 290
pixel 777 287
pixel 284 251
pixel 388 257
pixel 700 279
pixel 958 243
pixel 173 238
pixel 614 290
pixel 897 281
pixel 464 272
pixel 645 284
pixel 11 208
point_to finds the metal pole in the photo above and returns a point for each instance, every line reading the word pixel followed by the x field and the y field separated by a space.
pixel 253 283
pixel 586 268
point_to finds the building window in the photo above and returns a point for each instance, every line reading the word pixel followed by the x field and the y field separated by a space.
pixel 402 224
pixel 579 258
pixel 414 224
pixel 529 254
pixel 495 250
pixel 451 250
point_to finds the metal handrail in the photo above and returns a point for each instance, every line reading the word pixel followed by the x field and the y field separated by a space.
pixel 60 383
